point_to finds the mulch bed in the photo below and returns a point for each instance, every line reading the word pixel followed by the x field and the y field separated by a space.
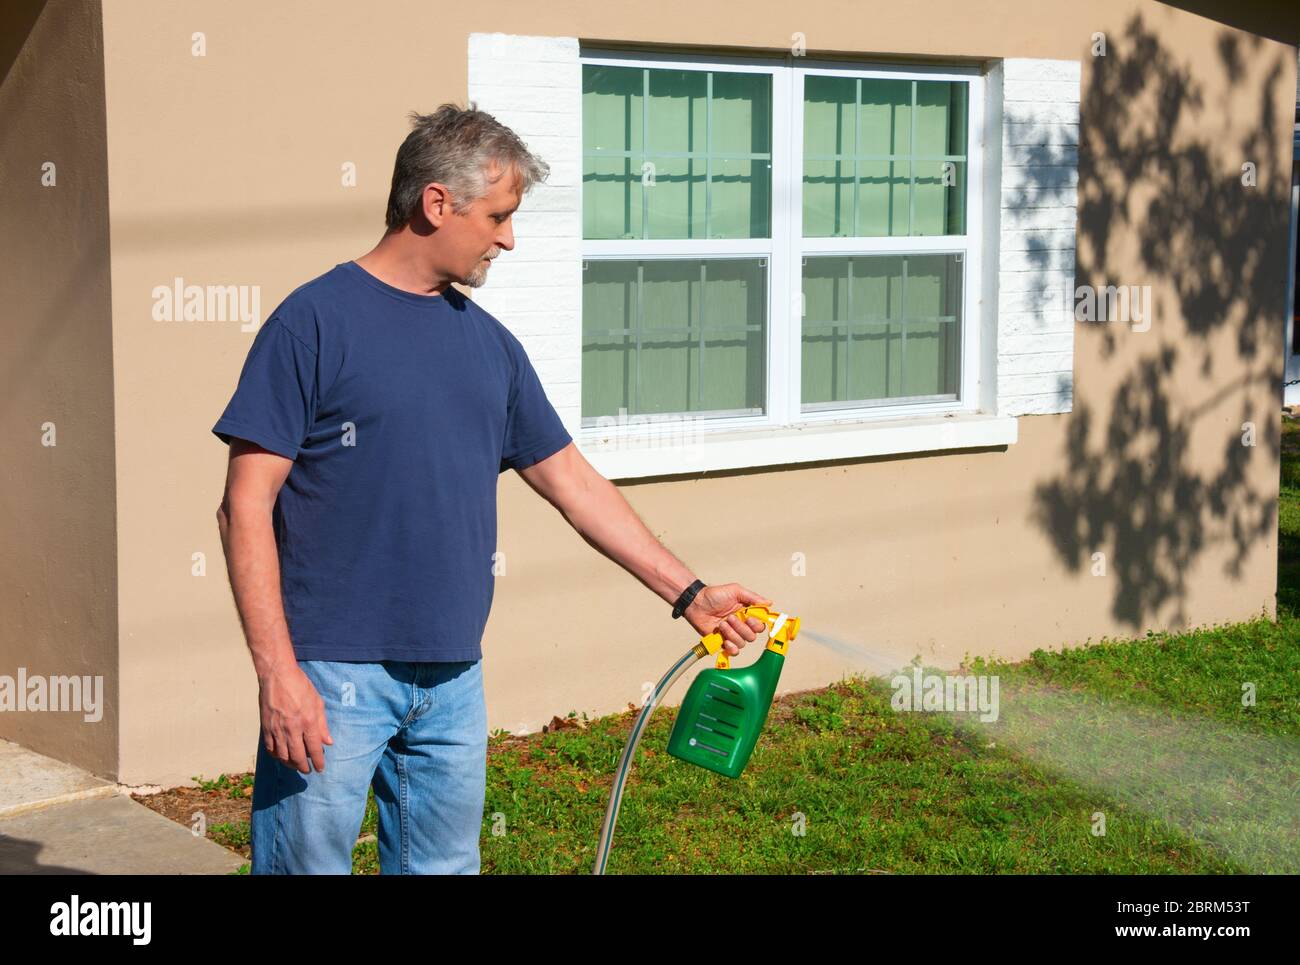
pixel 218 806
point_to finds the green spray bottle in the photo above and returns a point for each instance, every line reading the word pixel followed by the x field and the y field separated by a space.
pixel 724 711
pixel 721 717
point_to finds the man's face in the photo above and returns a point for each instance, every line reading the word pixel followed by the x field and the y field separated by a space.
pixel 483 230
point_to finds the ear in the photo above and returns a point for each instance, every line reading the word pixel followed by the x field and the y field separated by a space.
pixel 436 203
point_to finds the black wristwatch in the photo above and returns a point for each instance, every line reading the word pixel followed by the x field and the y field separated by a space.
pixel 685 599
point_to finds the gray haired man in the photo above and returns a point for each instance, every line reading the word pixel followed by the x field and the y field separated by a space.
pixel 373 415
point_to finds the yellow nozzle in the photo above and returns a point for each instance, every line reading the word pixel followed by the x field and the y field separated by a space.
pixel 782 628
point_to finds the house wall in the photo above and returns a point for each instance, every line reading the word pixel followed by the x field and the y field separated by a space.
pixel 226 169
pixel 58 573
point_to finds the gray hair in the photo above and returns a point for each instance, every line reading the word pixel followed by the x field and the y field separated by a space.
pixel 455 147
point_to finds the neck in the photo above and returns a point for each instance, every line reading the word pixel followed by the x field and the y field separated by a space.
pixel 399 260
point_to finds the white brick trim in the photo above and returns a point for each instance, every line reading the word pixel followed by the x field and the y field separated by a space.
pixel 534 85
pixel 1037 214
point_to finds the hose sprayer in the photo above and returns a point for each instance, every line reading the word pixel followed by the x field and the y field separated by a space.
pixel 722 715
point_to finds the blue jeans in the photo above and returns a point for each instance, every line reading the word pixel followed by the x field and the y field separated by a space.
pixel 418 732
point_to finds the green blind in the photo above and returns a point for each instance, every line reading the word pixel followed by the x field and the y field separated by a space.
pixel 676 153
pixel 883 157
pixel 669 337
pixel 881 327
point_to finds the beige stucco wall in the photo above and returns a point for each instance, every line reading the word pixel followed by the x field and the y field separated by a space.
pixel 58 576
pixel 225 169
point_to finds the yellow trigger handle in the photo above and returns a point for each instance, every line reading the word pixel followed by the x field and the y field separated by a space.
pixel 782 628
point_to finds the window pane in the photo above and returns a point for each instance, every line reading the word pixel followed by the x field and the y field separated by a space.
pixel 612 158
pixel 824 331
pixel 828 199
pixel 885 117
pixel 939 198
pixel 892 153
pixel 677 111
pixel 740 203
pixel 883 198
pixel 875 343
pixel 672 337
pixel 734 336
pixel 670 318
pixel 932 308
pixel 740 142
pixel 742 114
pixel 881 327
pixel 828 146
pixel 941 158
pixel 940 118
pixel 611 197
pixel 828 127
pixel 697 144
pixel 611 108
pixel 675 198
pixel 609 311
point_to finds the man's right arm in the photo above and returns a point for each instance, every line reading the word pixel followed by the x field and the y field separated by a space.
pixel 292 712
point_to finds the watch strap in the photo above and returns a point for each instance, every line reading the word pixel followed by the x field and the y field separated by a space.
pixel 685 599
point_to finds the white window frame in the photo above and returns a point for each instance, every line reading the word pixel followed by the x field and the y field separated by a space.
pixel 658 437
pixel 968 390
pixel 1022 329
pixel 679 249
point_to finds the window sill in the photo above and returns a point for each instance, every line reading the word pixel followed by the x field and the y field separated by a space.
pixel 623 458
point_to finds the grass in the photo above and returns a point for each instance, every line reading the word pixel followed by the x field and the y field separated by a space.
pixel 841 783
pixel 876 790
pixel 228 785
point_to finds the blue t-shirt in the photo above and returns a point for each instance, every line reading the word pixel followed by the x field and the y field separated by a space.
pixel 400 411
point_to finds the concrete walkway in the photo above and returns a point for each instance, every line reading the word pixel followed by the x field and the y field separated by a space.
pixel 59 819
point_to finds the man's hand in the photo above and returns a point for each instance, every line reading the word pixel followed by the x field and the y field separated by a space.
pixel 293 719
pixel 714 608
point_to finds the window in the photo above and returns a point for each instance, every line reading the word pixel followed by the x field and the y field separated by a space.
pixel 787 260
pixel 777 243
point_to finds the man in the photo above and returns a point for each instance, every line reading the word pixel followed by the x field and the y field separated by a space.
pixel 374 413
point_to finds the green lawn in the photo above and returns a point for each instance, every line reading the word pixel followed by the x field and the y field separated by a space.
pixel 1149 736
pixel 881 791
pixel 904 792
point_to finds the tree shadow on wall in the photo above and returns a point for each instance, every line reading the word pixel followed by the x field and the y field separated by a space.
pixel 1132 488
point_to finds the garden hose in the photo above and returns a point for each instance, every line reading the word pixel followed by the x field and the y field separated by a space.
pixel 726 707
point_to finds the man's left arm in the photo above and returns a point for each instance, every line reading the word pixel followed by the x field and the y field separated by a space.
pixel 596 508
